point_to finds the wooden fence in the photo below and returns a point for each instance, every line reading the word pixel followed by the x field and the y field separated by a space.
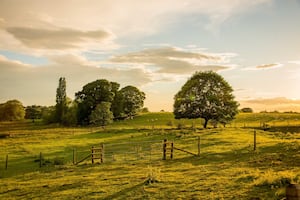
pixel 131 150
pixel 169 147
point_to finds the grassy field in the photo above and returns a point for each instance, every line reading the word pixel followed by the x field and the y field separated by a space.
pixel 227 168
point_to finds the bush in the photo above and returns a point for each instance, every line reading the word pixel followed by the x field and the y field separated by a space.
pixel 247 110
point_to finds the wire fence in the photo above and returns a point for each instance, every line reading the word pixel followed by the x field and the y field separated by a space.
pixel 203 145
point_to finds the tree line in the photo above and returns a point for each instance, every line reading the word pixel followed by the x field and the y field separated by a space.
pixel 205 95
pixel 98 103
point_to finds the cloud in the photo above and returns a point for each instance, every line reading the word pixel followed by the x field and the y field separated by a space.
pixel 295 62
pixel 172 60
pixel 6 64
pixel 61 39
pixel 77 25
pixel 269 66
pixel 265 66
pixel 277 100
pixel 271 104
pixel 37 84
pixel 127 17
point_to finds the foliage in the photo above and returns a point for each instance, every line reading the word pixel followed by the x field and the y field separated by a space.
pixel 70 117
pixel 145 110
pixel 123 103
pixel 132 100
pixel 33 112
pixel 12 110
pixel 247 110
pixel 101 115
pixel 61 100
pixel 206 95
pixel 49 114
pixel 117 106
pixel 90 96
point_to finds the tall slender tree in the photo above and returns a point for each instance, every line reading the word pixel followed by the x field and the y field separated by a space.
pixel 61 100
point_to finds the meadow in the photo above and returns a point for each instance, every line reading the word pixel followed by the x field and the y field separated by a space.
pixel 227 168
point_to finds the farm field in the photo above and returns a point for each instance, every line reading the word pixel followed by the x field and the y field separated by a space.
pixel 227 168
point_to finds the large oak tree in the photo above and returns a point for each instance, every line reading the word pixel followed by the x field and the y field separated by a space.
pixel 206 95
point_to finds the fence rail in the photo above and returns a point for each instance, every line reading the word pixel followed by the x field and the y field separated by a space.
pixel 144 151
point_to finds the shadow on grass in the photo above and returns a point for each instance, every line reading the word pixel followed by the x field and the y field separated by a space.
pixel 285 129
pixel 124 191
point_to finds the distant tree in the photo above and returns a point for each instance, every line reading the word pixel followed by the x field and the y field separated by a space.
pixel 144 110
pixel 132 100
pixel 70 117
pixel 61 100
pixel 101 115
pixel 247 110
pixel 91 95
pixel 49 114
pixel 33 112
pixel 206 95
pixel 12 110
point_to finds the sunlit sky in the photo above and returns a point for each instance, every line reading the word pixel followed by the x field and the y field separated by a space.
pixel 154 45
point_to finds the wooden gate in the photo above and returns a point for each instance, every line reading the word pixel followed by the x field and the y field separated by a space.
pixel 168 147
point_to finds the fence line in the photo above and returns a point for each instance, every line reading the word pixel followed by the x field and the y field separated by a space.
pixel 149 150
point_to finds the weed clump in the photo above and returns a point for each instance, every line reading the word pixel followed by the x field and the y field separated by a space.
pixel 153 176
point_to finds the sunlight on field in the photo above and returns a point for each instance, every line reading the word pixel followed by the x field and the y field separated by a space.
pixel 227 168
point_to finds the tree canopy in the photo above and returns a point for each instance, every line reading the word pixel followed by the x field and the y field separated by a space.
pixel 247 110
pixel 101 115
pixel 206 95
pixel 33 112
pixel 122 103
pixel 132 100
pixel 12 110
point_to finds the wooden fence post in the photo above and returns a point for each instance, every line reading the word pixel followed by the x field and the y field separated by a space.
pixel 6 162
pixel 92 154
pixel 40 159
pixel 172 150
pixel 198 145
pixel 74 156
pixel 164 149
pixel 254 141
pixel 102 154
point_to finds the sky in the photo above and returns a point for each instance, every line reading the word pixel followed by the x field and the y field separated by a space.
pixel 154 45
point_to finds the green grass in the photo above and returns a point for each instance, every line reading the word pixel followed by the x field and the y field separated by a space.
pixel 227 168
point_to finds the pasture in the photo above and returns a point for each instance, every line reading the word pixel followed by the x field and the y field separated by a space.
pixel 227 168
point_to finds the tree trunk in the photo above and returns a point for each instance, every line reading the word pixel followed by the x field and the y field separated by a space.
pixel 205 123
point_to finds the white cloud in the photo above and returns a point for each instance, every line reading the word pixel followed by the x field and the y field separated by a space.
pixel 265 66
pixel 174 60
pixel 124 17
pixel 58 39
